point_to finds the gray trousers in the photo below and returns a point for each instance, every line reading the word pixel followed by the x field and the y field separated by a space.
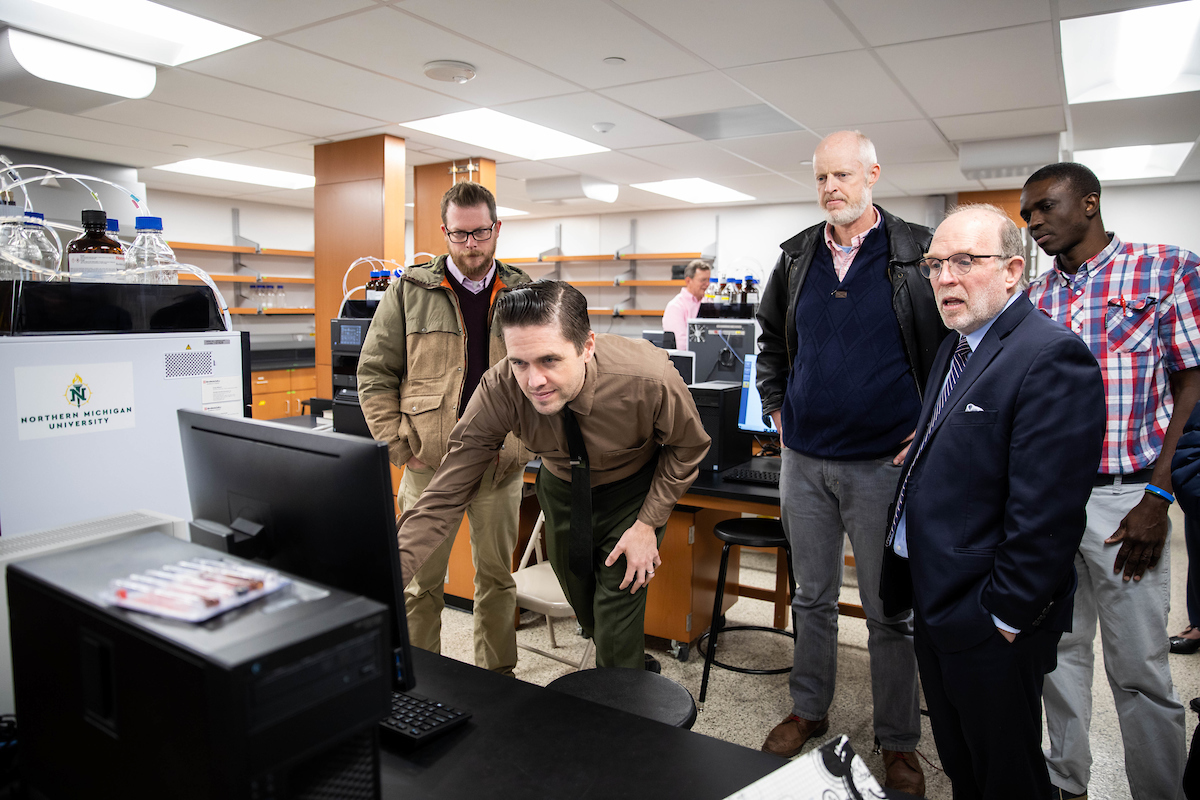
pixel 1133 626
pixel 819 500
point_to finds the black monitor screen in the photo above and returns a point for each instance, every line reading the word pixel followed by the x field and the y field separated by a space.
pixel 324 501
pixel 750 415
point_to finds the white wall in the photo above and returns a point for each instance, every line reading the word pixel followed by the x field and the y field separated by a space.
pixel 1167 213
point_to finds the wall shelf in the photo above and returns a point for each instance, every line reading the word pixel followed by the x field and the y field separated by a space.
pixel 249 278
pixel 232 248
pixel 556 259
pixel 272 311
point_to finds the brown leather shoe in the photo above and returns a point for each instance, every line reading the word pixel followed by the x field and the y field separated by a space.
pixel 904 772
pixel 788 737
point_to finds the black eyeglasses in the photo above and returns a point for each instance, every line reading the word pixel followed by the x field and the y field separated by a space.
pixel 960 264
pixel 479 235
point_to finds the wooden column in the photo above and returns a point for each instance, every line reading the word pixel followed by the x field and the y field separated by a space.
pixel 430 182
pixel 1008 199
pixel 358 211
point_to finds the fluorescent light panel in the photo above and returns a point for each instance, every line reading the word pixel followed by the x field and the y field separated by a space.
pixel 1138 161
pixel 59 62
pixel 693 190
pixel 501 211
pixel 1139 53
pixel 207 168
pixel 483 127
pixel 134 28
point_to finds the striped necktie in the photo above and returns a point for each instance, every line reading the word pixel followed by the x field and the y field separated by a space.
pixel 961 354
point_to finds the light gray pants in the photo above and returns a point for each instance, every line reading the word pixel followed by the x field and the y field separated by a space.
pixel 1133 627
pixel 820 499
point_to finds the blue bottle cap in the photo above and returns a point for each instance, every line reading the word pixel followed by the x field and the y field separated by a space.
pixel 113 225
pixel 147 223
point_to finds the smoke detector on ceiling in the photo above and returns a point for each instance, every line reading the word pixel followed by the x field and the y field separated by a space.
pixel 450 71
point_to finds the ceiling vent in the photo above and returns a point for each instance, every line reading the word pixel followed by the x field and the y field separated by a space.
pixel 1007 158
pixel 570 188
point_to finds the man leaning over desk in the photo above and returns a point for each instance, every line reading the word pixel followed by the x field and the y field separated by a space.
pixel 620 441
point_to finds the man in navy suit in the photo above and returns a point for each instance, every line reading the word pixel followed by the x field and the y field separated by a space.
pixel 990 508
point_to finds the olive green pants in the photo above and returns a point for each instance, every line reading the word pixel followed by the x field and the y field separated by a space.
pixel 611 616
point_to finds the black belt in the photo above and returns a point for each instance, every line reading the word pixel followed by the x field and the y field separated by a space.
pixel 1141 476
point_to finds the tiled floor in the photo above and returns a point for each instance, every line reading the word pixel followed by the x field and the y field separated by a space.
pixel 743 708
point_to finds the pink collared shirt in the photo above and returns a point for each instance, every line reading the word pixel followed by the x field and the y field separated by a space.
pixel 843 257
pixel 474 287
pixel 683 306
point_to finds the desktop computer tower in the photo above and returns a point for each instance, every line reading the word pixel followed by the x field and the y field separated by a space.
pixel 718 403
pixel 278 699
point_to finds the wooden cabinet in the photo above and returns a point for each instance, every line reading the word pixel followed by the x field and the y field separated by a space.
pixel 280 392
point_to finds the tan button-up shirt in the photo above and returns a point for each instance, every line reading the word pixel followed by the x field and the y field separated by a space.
pixel 632 405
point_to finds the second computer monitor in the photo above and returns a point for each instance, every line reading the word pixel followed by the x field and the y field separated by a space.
pixel 750 415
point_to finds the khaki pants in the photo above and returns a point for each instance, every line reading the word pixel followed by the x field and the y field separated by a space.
pixel 493 515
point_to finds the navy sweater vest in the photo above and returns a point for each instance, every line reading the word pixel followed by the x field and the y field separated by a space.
pixel 851 394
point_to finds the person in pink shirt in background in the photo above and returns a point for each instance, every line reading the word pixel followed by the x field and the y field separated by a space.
pixel 686 304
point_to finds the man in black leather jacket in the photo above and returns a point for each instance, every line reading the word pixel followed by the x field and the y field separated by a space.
pixel 850 330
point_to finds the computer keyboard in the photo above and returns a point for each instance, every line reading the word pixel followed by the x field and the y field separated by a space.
pixel 756 476
pixel 418 718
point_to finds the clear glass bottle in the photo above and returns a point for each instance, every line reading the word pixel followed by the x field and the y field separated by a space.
pixel 93 257
pixel 12 224
pixel 150 259
pixel 44 251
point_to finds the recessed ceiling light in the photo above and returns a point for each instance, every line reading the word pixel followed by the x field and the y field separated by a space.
pixel 693 190
pixel 72 65
pixel 484 127
pixel 501 211
pixel 1138 161
pixel 449 71
pixel 207 168
pixel 1138 53
pixel 134 28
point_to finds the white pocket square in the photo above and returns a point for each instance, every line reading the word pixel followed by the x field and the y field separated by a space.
pixel 972 407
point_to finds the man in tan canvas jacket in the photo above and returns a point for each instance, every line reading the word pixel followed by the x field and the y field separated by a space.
pixel 430 341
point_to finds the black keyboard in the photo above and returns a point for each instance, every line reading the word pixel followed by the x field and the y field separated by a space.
pixel 761 477
pixel 418 718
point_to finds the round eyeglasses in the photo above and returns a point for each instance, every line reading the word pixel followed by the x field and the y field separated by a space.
pixel 479 235
pixel 960 264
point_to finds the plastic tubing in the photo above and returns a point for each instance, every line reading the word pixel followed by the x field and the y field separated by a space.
pixel 346 297
pixel 138 203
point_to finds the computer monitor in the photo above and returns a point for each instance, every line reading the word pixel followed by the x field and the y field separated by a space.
pixel 663 339
pixel 685 363
pixel 750 415
pixel 316 504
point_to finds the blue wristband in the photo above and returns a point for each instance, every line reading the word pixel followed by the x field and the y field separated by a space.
pixel 1165 495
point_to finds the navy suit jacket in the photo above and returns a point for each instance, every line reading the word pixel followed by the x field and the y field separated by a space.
pixel 996 501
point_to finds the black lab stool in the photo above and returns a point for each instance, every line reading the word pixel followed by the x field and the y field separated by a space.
pixel 746 532
pixel 637 691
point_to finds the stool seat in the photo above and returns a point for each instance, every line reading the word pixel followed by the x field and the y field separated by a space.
pixel 639 692
pixel 751 532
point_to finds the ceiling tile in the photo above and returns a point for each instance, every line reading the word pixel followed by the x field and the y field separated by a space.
pixel 157 147
pixel 1010 68
pixel 43 142
pixel 301 198
pixel 10 108
pixel 298 150
pixel 414 158
pixel 150 115
pixel 780 152
pixel 769 187
pixel 1002 124
pixel 1141 120
pixel 1068 9
pixel 569 38
pixel 179 87
pixel 267 160
pixel 294 73
pixel 394 43
pixel 695 160
pixel 802 89
pixel 906 142
pixel 524 170
pixel 747 32
pixel 686 94
pixel 613 167
pixel 889 23
pixel 931 178
pixel 575 114
pixel 267 18
pixel 156 180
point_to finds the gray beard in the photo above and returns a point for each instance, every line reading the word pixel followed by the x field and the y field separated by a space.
pixel 849 214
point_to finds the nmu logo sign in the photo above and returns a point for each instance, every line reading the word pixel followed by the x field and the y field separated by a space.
pixel 78 393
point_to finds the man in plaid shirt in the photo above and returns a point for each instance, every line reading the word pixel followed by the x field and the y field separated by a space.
pixel 1137 307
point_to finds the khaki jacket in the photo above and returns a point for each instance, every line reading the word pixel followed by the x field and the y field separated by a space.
pixel 413 362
